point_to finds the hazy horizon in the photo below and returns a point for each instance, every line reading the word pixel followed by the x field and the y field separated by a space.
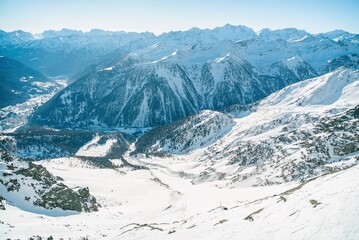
pixel 159 16
pixel 157 34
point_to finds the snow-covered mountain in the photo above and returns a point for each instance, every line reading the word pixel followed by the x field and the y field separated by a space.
pixel 186 72
pixel 250 135
pixel 306 129
pixel 348 61
pixel 67 52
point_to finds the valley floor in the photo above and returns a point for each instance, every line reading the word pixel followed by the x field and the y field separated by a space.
pixel 155 204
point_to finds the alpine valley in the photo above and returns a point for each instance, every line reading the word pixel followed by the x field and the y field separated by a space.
pixel 221 133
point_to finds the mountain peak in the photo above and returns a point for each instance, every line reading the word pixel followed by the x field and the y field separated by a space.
pixel 282 34
pixel 61 33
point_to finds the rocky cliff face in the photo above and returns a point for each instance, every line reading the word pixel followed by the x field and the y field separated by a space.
pixel 137 94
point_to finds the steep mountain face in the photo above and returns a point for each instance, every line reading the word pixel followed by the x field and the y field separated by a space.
pixel 147 95
pixel 348 61
pixel 152 81
pixel 137 96
pixel 293 70
pixel 230 80
pixel 19 83
pixel 306 129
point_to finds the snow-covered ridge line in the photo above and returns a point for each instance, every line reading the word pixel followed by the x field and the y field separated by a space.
pixel 286 32
pixel 293 134
pixel 338 87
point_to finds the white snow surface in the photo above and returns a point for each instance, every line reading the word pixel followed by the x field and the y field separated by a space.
pixel 339 88
pixel 170 204
pixel 95 149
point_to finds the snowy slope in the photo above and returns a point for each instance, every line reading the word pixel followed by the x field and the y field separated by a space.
pixel 338 88
pixel 32 188
pixel 323 208
pixel 92 149
pixel 186 135
pixel 284 167
pixel 293 134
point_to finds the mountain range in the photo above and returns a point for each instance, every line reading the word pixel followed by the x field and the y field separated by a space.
pixel 299 132
pixel 143 80
pixel 208 134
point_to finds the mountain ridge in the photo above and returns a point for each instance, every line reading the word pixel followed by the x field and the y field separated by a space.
pixel 139 91
pixel 92 45
pixel 304 130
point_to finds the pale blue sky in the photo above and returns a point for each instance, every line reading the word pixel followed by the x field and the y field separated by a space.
pixel 165 15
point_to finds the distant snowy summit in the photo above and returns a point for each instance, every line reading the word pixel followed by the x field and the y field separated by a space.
pixel 66 52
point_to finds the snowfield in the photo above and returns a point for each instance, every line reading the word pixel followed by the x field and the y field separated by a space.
pixel 152 204
pixel 94 149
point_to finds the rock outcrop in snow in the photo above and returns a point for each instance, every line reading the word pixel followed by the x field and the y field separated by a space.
pixel 32 188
